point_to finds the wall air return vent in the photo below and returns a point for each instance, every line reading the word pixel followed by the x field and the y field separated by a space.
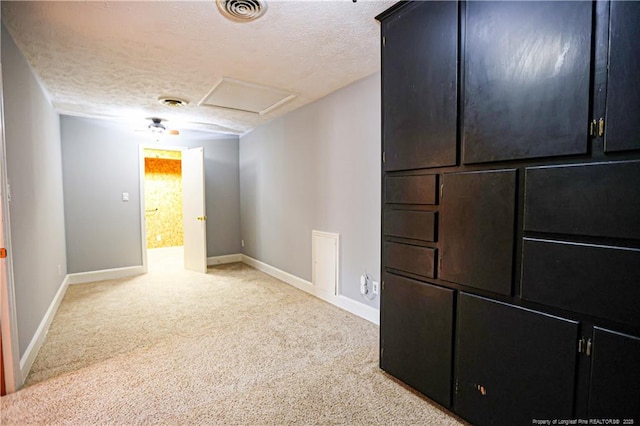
pixel 242 10
pixel 244 96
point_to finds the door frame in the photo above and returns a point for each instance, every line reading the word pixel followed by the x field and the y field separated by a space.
pixel 8 320
pixel 143 219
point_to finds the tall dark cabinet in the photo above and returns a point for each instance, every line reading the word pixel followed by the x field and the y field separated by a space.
pixel 511 207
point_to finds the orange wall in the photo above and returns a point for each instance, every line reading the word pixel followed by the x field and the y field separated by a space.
pixel 163 198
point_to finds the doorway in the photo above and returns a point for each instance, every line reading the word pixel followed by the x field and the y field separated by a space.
pixel 163 200
pixel 173 210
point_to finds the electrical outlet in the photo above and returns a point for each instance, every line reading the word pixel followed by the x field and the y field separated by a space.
pixel 59 270
pixel 242 243
pixel 158 237
pixel 375 287
pixel 363 285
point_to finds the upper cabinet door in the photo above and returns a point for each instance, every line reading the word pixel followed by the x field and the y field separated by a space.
pixel 419 86
pixel 526 79
pixel 623 86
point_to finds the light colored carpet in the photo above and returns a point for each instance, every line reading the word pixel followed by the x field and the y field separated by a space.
pixel 232 347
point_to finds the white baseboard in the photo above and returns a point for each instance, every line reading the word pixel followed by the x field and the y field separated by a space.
pixel 219 260
pixel 105 274
pixel 41 333
pixel 349 305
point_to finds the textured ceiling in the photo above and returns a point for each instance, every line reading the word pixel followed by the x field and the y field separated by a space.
pixel 115 59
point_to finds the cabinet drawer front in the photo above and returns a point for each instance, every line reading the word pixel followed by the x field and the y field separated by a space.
pixel 417 335
pixel 419 189
pixel 600 200
pixel 413 259
pixel 410 224
pixel 596 280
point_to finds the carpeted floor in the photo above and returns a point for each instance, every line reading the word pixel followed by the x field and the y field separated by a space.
pixel 232 347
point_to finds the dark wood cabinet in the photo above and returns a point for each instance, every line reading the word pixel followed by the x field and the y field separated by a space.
pixel 420 94
pixel 623 91
pixel 526 79
pixel 592 279
pixel 478 214
pixel 614 391
pixel 597 199
pixel 512 364
pixel 417 339
pixel 417 189
pixel 411 224
pixel 410 258
pixel 510 252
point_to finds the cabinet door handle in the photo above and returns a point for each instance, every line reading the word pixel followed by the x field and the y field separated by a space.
pixel 581 344
pixel 588 351
pixel 601 127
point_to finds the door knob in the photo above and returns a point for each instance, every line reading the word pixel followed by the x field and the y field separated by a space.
pixel 201 218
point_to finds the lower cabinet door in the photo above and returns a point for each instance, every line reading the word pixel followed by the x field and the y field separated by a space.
pixel 416 335
pixel 615 376
pixel 513 365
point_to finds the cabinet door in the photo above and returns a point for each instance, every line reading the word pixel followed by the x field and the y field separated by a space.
pixel 615 376
pixel 596 280
pixel 526 79
pixel 598 199
pixel 416 335
pixel 477 229
pixel 419 86
pixel 623 84
pixel 513 364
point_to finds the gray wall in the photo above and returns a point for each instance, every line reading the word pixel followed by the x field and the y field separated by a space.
pixel 316 168
pixel 32 134
pixel 101 161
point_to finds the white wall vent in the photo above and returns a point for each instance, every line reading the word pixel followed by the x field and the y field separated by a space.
pixel 245 96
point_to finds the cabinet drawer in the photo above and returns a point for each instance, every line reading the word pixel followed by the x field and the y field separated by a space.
pixel 419 189
pixel 596 280
pixel 600 200
pixel 410 224
pixel 413 259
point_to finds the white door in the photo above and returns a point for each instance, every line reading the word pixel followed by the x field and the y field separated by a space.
pixel 324 252
pixel 195 215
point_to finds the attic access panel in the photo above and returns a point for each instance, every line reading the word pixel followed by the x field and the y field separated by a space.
pixel 245 96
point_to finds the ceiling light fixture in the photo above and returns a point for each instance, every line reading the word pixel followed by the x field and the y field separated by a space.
pixel 242 10
pixel 172 102
pixel 156 125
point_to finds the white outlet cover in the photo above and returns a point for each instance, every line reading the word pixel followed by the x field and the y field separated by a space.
pixel 125 196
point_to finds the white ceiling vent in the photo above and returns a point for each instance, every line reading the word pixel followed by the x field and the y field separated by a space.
pixel 244 96
pixel 242 10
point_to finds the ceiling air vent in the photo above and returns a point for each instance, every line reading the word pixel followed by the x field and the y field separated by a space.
pixel 242 10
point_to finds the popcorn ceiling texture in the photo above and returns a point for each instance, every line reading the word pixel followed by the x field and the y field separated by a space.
pixel 116 58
